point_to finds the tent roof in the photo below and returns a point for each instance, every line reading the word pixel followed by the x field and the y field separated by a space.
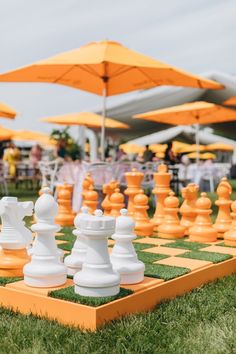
pixel 161 97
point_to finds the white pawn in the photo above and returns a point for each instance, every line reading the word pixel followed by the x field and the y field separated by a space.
pixel 45 269
pixel 14 233
pixel 75 260
pixel 123 257
pixel 97 277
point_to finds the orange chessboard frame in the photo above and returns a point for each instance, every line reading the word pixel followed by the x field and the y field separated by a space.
pixel 146 296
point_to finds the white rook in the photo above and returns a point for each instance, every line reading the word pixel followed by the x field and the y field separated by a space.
pixel 75 260
pixel 123 257
pixel 97 277
pixel 45 269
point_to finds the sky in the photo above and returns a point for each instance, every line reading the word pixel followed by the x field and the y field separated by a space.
pixel 198 36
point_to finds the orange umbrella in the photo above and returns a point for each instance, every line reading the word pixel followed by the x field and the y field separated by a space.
pixel 106 68
pixel 220 146
pixel 87 119
pixel 205 156
pixel 132 148
pixel 231 101
pixel 28 135
pixel 199 112
pixel 6 111
pixel 5 134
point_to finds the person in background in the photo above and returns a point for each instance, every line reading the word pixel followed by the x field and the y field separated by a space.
pixel 170 157
pixel 148 155
pixel 61 149
pixel 12 156
pixel 35 155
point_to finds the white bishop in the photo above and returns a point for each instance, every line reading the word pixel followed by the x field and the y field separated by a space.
pixel 45 269
pixel 75 260
pixel 123 257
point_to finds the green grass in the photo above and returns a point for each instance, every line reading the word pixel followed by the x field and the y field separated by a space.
pixel 165 272
pixel 5 280
pixel 142 246
pixel 206 256
pixel 202 321
pixel 148 257
pixel 68 294
pixel 186 245
pixel 222 244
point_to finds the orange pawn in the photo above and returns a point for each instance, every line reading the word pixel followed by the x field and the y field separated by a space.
pixel 188 208
pixel 202 229
pixel 108 189
pixel 230 235
pixel 91 199
pixel 87 182
pixel 117 203
pixel 223 220
pixel 133 180
pixel 143 226
pixel 65 216
pixel 170 227
pixel 162 189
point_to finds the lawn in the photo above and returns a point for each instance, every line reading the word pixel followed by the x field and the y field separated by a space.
pixel 202 321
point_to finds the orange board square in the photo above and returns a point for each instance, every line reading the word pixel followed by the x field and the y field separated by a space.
pixel 165 250
pixel 146 283
pixel 192 264
pixel 221 249
pixel 153 240
pixel 20 285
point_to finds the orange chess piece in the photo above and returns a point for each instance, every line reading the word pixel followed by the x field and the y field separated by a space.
pixel 12 262
pixel 170 227
pixel 87 182
pixel 65 216
pixel 230 235
pixel 223 220
pixel 133 180
pixel 108 189
pixel 162 188
pixel 188 208
pixel 202 229
pixel 143 226
pixel 117 203
pixel 91 199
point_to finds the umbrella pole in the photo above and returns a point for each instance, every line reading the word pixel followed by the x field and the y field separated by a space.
pixel 103 125
pixel 197 142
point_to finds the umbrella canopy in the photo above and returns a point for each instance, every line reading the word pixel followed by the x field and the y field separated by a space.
pixel 87 119
pixel 6 111
pixel 191 147
pixel 28 135
pixel 220 147
pixel 109 65
pixel 205 156
pixel 132 148
pixel 230 101
pixel 199 112
pixel 5 134
pixel 106 68
pixel 158 148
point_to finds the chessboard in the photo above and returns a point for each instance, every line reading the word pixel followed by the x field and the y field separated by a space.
pixel 172 268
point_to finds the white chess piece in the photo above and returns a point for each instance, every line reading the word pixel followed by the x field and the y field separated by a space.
pixel 14 233
pixel 75 260
pixel 45 268
pixel 97 277
pixel 123 257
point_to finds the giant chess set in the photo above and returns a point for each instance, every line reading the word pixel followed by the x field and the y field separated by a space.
pixel 121 261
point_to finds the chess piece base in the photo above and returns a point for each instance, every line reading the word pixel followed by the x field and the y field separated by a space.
pixel 74 262
pixel 97 292
pixel 132 278
pixel 170 236
pixel 12 262
pixel 222 228
pixel 203 235
pixel 45 282
pixel 66 220
pixel 143 229
pixel 230 241
pixel 171 231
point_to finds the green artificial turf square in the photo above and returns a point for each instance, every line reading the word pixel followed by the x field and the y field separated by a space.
pixel 187 245
pixel 68 294
pixel 222 244
pixel 147 257
pixel 213 257
pixel 5 280
pixel 66 246
pixel 165 272
pixel 142 246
